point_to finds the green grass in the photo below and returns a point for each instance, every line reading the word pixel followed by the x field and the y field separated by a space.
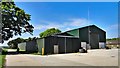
pixel 2 57
pixel 2 60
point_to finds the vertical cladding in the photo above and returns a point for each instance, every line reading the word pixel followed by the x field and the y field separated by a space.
pixel 51 41
pixel 71 45
pixel 75 44
pixel 61 43
pixel 40 43
pixel 102 34
pixel 83 35
pixel 95 33
pixel 22 46
pixel 31 46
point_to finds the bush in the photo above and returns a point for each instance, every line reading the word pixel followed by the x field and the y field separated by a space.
pixel 4 52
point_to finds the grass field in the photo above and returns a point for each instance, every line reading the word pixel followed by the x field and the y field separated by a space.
pixel 2 60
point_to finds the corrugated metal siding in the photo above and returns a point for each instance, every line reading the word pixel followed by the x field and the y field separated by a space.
pixel 94 41
pixel 31 46
pixel 22 46
pixel 71 45
pixel 84 36
pixel 76 44
pixel 40 43
pixel 102 34
pixel 49 44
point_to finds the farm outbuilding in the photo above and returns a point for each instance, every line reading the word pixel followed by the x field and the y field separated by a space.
pixel 29 46
pixel 58 44
pixel 89 37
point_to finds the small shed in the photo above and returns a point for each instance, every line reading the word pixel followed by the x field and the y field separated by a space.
pixel 58 44
pixel 29 46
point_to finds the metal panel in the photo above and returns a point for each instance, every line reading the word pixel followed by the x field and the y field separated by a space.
pixel 31 46
pixel 86 35
pixel 69 44
pixel 94 41
pixel 65 44
pixel 22 46
pixel 40 43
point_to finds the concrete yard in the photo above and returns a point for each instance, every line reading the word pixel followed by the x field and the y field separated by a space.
pixel 98 57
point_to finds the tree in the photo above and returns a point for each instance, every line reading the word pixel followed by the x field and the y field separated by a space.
pixel 14 43
pixel 49 32
pixel 14 20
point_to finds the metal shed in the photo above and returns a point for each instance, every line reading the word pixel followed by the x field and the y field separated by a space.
pixel 29 46
pixel 91 35
pixel 58 44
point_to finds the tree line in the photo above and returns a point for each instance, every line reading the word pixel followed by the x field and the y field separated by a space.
pixel 112 39
pixel 14 43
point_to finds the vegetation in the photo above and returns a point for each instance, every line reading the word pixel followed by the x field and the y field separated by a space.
pixel 14 43
pixel 49 32
pixel 2 58
pixel 14 21
pixel 113 39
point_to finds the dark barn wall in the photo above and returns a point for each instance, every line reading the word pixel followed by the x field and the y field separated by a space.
pixel 102 34
pixel 51 41
pixel 31 46
pixel 48 45
pixel 83 35
pixel 72 44
pixel 96 35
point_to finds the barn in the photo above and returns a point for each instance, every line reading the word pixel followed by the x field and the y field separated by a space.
pixel 29 46
pixel 89 37
pixel 58 44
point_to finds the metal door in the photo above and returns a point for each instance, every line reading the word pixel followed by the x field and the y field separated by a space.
pixel 56 49
pixel 94 40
